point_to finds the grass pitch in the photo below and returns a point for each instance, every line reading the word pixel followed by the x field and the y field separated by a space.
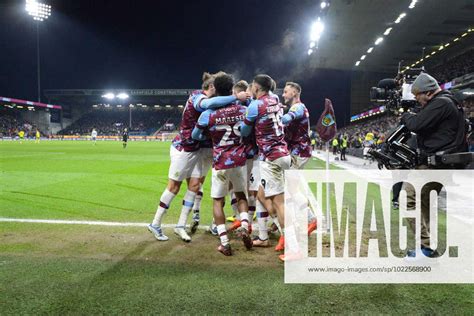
pixel 78 269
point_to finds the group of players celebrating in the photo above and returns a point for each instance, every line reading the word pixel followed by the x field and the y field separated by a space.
pixel 241 130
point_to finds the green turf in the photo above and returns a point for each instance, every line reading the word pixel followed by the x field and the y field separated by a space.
pixel 77 269
pixel 57 269
pixel 77 180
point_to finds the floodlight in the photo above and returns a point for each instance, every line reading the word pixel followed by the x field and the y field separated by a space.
pixel 316 30
pixel 400 17
pixel 109 96
pixel 39 11
pixel 122 96
pixel 412 4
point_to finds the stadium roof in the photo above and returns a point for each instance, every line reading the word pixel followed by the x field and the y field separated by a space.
pixel 12 102
pixel 151 97
pixel 98 93
pixel 352 27
pixel 95 96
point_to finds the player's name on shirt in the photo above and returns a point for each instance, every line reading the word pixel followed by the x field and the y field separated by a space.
pixel 273 108
pixel 229 119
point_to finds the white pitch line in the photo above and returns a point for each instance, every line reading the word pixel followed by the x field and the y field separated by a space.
pixel 76 222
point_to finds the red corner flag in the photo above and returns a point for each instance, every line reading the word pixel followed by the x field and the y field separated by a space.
pixel 326 126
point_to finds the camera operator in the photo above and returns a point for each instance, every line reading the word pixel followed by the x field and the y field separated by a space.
pixel 440 125
pixel 440 128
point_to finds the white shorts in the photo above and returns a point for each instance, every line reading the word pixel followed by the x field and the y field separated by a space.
pixel 204 163
pixel 272 175
pixel 222 178
pixel 298 162
pixel 253 174
pixel 182 164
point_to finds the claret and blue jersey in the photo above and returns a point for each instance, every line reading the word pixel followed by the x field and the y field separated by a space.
pixel 296 123
pixel 229 151
pixel 264 116
pixel 197 103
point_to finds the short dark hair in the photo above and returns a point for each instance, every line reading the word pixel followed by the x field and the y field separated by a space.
pixel 241 85
pixel 265 81
pixel 294 85
pixel 223 84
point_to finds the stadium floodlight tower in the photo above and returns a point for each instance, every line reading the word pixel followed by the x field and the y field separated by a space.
pixel 40 12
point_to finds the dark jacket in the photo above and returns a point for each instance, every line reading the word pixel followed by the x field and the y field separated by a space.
pixel 439 125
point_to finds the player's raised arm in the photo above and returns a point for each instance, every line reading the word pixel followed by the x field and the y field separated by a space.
pixel 202 123
pixel 250 117
pixel 295 112
pixel 202 102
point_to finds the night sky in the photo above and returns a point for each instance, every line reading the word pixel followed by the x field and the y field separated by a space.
pixel 103 44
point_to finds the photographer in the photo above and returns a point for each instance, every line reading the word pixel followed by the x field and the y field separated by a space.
pixel 440 128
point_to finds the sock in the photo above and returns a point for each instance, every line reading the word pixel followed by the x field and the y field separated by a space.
pixel 233 204
pixel 277 223
pixel 222 232
pixel 197 205
pixel 251 202
pixel 188 203
pixel 165 201
pixel 262 218
pixel 244 218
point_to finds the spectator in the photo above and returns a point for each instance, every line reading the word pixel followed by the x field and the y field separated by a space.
pixel 112 121
pixel 454 67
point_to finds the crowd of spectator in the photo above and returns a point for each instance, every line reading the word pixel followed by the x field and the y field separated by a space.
pixel 455 67
pixel 468 105
pixel 379 127
pixel 11 123
pixel 373 132
pixel 113 121
pixel 356 135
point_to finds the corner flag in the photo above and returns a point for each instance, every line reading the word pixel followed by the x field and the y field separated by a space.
pixel 326 126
